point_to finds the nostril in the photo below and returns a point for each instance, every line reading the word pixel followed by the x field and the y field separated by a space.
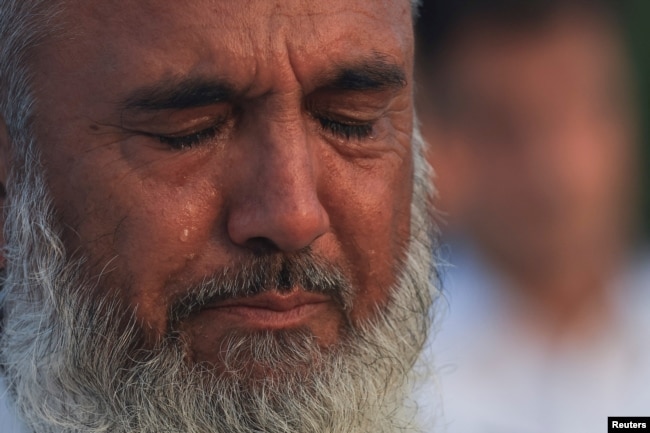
pixel 261 246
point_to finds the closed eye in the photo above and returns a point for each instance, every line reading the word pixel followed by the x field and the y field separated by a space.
pixel 181 142
pixel 347 130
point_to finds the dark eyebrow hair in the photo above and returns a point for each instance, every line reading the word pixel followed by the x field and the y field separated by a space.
pixel 374 74
pixel 179 94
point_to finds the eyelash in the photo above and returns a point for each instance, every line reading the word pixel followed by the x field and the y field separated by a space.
pixel 190 140
pixel 346 131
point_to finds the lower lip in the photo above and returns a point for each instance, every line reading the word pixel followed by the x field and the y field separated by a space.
pixel 264 318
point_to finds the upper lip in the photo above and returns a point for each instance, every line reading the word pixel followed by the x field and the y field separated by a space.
pixel 274 300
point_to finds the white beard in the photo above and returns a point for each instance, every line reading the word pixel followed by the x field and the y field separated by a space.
pixel 75 365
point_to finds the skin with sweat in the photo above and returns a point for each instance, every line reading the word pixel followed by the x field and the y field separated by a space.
pixel 180 139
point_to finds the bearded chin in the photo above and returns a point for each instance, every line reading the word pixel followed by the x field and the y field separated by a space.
pixel 75 363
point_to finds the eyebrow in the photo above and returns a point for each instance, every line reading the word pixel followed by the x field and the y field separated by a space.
pixel 179 94
pixel 374 74
pixel 176 94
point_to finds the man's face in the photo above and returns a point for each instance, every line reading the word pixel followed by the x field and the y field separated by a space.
pixel 237 238
pixel 183 141
pixel 543 136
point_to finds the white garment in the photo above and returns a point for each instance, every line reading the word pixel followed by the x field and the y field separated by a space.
pixel 494 379
pixel 9 422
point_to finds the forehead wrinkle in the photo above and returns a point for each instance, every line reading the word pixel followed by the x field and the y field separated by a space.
pixel 379 65
pixel 266 53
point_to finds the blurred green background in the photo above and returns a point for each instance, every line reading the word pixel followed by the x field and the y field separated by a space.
pixel 638 27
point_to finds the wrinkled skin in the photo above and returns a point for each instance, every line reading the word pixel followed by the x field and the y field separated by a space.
pixel 305 144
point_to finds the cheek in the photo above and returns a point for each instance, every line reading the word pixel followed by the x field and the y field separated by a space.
pixel 369 211
pixel 165 228
pixel 138 234
pixel 166 240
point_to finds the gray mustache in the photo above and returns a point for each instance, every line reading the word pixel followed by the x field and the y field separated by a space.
pixel 279 272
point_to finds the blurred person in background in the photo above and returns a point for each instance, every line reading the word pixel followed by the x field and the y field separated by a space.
pixel 529 107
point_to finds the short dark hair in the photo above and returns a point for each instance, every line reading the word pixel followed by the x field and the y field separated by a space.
pixel 441 20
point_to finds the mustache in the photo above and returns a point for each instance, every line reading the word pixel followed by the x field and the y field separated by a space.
pixel 259 274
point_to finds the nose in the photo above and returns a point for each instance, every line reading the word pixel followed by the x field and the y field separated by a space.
pixel 276 204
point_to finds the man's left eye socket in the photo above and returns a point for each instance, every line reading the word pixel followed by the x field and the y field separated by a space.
pixel 347 131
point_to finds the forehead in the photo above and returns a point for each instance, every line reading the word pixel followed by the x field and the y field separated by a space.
pixel 250 41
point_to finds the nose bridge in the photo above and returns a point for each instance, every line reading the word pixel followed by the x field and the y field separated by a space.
pixel 279 201
pixel 286 168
